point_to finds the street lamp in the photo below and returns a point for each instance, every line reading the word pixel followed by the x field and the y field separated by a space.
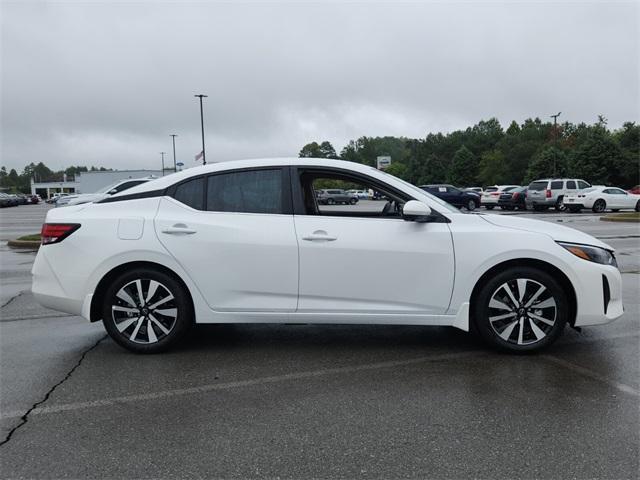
pixel 173 139
pixel 204 156
pixel 555 135
pixel 163 154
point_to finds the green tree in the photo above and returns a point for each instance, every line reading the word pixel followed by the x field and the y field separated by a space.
pixel 397 169
pixel 310 150
pixel 543 163
pixel 597 159
pixel 464 168
pixel 492 168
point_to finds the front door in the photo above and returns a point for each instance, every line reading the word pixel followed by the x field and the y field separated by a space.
pixel 365 258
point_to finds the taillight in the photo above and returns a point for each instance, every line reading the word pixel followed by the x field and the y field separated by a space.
pixel 495 194
pixel 547 193
pixel 516 195
pixel 56 232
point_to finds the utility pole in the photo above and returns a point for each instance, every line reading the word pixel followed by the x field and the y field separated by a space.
pixel 204 156
pixel 173 139
pixel 555 135
pixel 163 154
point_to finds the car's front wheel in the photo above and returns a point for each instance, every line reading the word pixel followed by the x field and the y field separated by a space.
pixel 521 310
pixel 146 310
pixel 471 205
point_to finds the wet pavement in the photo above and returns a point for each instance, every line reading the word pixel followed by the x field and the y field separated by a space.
pixel 315 401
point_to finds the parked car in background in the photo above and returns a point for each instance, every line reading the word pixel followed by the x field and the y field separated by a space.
pixel 112 189
pixel 514 199
pixel 635 190
pixel 602 198
pixel 478 190
pixel 335 196
pixel 550 192
pixel 491 195
pixel 56 196
pixel 454 196
pixel 361 194
pixel 149 277
pixel 33 199
pixel 5 200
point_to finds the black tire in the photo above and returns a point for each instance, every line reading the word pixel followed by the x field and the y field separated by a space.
pixel 638 206
pixel 512 326
pixel 331 201
pixel 471 205
pixel 155 330
pixel 599 206
pixel 560 206
pixel 353 201
pixel 489 207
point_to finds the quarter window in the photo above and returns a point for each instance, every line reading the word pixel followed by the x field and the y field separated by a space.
pixel 191 193
pixel 254 191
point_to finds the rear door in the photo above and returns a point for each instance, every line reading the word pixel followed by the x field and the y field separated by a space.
pixel 233 233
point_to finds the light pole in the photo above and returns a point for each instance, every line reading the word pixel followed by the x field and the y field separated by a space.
pixel 204 156
pixel 173 139
pixel 163 154
pixel 555 137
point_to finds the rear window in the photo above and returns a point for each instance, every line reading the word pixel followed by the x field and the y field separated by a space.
pixel 508 189
pixel 491 189
pixel 557 185
pixel 537 186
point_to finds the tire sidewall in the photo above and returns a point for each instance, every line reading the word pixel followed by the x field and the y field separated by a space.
pixel 184 319
pixel 481 308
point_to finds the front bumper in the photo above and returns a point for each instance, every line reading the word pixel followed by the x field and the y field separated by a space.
pixel 598 293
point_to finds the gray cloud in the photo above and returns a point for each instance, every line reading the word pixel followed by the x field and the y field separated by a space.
pixel 106 83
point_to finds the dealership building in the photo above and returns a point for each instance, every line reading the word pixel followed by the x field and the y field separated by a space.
pixel 90 182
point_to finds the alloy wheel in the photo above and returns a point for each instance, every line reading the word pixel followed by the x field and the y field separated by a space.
pixel 522 311
pixel 144 311
pixel 471 205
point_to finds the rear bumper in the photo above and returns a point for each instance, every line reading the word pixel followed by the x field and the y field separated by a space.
pixel 543 202
pixel 489 201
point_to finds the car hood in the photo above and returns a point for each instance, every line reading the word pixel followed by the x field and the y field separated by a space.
pixel 559 233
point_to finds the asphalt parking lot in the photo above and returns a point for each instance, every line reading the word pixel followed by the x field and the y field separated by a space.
pixel 239 401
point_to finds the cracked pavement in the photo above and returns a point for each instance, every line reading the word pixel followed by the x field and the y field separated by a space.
pixel 316 401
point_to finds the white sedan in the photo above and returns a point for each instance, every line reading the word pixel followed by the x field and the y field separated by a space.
pixel 246 242
pixel 601 198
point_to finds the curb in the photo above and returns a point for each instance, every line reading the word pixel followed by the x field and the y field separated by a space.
pixel 30 244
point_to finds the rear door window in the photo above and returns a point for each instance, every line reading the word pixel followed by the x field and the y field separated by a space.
pixel 252 191
pixel 571 184
pixel 557 185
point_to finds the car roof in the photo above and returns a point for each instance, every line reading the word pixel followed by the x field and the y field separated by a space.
pixel 168 180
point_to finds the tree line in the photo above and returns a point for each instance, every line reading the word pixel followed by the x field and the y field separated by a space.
pixel 15 182
pixel 486 154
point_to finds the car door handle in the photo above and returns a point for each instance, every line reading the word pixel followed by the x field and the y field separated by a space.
pixel 179 228
pixel 319 236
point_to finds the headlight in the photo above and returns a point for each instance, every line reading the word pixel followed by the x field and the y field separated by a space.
pixel 592 254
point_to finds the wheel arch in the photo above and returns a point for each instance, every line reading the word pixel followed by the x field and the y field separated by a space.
pixel 98 294
pixel 552 270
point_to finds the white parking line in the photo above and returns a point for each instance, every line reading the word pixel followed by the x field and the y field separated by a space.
pixel 242 383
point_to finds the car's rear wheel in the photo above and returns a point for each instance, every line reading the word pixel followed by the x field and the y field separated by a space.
pixel 521 310
pixel 146 310
pixel 599 206
pixel 560 206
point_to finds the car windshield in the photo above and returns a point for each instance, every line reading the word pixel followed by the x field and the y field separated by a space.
pixel 537 186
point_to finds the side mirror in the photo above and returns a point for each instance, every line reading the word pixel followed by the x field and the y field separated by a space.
pixel 415 211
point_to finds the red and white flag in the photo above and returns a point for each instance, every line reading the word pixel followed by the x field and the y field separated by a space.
pixel 199 156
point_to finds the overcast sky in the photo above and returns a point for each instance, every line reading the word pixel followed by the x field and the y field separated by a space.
pixel 105 83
